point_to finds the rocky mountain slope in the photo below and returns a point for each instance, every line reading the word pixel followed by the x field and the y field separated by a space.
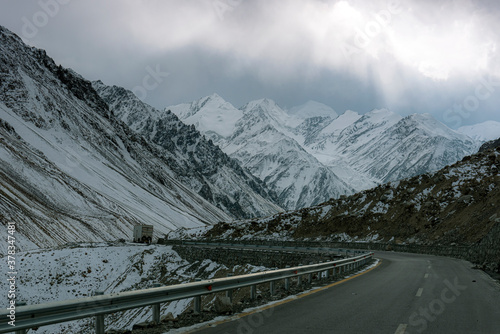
pixel 489 145
pixel 254 135
pixel 387 147
pixel 71 170
pixel 457 205
pixel 483 132
pixel 311 145
pixel 196 161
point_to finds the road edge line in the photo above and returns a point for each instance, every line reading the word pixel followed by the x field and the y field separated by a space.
pixel 284 301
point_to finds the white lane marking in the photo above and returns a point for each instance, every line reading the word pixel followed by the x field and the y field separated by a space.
pixel 401 329
pixel 426 275
pixel 419 292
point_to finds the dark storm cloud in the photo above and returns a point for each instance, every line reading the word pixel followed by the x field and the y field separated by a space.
pixel 439 57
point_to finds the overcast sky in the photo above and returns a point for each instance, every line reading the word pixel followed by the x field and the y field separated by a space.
pixel 427 56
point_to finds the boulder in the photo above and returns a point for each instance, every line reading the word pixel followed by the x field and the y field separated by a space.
pixel 168 317
pixel 223 305
pixel 467 199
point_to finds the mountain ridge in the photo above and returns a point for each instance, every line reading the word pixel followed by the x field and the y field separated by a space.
pixel 72 171
pixel 356 151
pixel 216 177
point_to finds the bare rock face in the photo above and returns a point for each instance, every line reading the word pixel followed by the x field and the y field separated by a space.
pixel 493 144
pixel 456 205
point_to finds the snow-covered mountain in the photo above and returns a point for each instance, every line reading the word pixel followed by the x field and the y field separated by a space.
pixel 196 161
pixel 72 171
pixel 260 135
pixel 484 132
pixel 312 109
pixel 383 146
pixel 311 147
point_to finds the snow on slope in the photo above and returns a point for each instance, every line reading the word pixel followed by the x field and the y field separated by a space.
pixel 486 131
pixel 351 152
pixel 263 140
pixel 78 270
pixel 383 146
pixel 70 171
pixel 196 161
pixel 312 109
pixel 218 116
pixel 457 205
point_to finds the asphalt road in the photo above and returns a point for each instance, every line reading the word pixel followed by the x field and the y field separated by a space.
pixel 406 293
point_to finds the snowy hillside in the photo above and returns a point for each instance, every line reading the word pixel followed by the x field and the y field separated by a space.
pixel 78 270
pixel 382 146
pixel 70 170
pixel 196 161
pixel 311 147
pixel 484 132
pixel 262 139
pixel 457 205
pixel 218 117
pixel 312 109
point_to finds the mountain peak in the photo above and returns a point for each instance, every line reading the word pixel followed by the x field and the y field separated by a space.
pixel 381 116
pixel 313 109
pixel 214 100
pixel 265 104
pixel 214 97
pixel 484 132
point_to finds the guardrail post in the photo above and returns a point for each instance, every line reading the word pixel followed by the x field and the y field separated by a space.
pixel 299 278
pixel 197 301
pixel 99 319
pixel 287 282
pixel 229 293
pixel 271 288
pixel 21 331
pixel 253 292
pixel 310 278
pixel 156 307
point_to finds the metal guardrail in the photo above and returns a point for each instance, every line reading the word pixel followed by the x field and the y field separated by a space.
pixel 465 251
pixel 265 246
pixel 33 316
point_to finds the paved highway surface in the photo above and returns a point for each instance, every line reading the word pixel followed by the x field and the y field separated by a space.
pixel 406 293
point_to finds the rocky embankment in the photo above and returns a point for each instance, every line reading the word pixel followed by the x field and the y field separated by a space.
pixel 456 206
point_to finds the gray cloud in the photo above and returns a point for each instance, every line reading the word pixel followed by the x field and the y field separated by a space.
pixel 408 56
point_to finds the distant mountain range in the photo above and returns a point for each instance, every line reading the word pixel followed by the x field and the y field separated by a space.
pixel 310 154
pixel 455 206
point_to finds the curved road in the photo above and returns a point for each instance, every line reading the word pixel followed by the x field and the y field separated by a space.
pixel 406 293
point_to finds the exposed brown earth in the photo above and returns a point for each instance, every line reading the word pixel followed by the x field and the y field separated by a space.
pixel 458 205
